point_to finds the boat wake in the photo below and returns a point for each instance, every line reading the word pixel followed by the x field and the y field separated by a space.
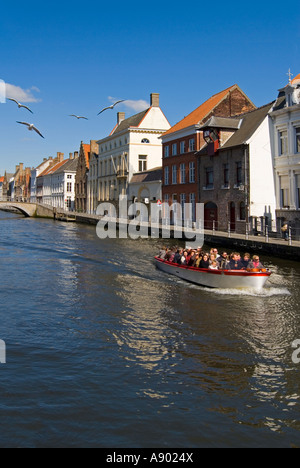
pixel 265 292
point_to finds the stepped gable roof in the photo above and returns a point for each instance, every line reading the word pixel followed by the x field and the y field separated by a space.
pixel 203 111
pixel 250 123
pixel 87 151
pixel 153 175
pixel 132 122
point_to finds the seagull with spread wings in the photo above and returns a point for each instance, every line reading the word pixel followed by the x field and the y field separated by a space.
pixel 111 107
pixel 31 127
pixel 78 117
pixel 20 105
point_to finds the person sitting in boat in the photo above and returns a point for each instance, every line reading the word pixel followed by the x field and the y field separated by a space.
pixel 162 253
pixel 177 257
pixel 213 265
pixel 223 261
pixel 205 261
pixel 235 262
pixel 184 258
pixel 246 260
pixel 255 264
pixel 197 261
pixel 212 258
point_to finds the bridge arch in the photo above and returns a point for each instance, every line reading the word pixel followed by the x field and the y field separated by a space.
pixel 27 209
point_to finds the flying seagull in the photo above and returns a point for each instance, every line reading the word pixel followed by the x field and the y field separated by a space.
pixel 111 107
pixel 20 105
pixel 31 127
pixel 78 117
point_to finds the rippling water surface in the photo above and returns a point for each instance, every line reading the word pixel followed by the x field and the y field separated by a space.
pixel 103 350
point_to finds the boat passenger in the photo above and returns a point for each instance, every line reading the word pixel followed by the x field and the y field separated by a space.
pixel 205 261
pixel 246 260
pixel 184 257
pixel 212 258
pixel 197 261
pixel 162 253
pixel 235 262
pixel 177 257
pixel 223 261
pixel 255 264
pixel 214 265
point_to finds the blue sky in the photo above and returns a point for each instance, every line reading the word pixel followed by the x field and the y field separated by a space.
pixel 75 57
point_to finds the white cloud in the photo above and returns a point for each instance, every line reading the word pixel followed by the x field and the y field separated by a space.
pixel 21 95
pixel 137 106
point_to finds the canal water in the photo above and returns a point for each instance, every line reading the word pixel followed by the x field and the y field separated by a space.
pixel 103 350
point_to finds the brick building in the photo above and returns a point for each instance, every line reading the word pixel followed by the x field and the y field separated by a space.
pixel 82 175
pixel 184 139
pixel 235 173
pixel 22 178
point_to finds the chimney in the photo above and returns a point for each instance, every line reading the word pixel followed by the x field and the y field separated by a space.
pixel 60 157
pixel 154 100
pixel 71 156
pixel 76 154
pixel 21 166
pixel 121 117
pixel 94 147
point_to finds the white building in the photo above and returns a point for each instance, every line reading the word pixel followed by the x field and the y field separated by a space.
pixel 34 174
pixel 146 187
pixel 286 153
pixel 133 146
pixel 56 185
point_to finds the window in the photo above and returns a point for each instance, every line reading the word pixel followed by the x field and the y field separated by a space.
pixel 182 203
pixel 142 163
pixel 193 207
pixel 167 151
pixel 226 175
pixel 298 191
pixel 283 142
pixel 166 175
pixel 182 173
pixel 182 147
pixel 284 191
pixel 174 149
pixel 242 211
pixel 69 176
pixel 239 173
pixel 297 140
pixel 209 178
pixel 174 175
pixel 192 144
pixel 69 187
pixel 192 172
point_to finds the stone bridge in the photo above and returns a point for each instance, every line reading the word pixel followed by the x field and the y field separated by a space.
pixel 29 209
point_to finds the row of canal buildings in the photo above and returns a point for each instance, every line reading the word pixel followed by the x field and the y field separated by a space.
pixel 240 161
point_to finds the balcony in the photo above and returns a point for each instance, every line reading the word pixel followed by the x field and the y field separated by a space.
pixel 122 173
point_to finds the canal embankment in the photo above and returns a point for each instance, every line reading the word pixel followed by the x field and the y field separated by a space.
pixel 264 245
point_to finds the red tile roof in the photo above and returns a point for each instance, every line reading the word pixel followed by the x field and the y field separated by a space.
pixel 199 114
pixel 296 79
pixel 52 169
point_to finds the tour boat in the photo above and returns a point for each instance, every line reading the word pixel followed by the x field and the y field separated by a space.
pixel 221 279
